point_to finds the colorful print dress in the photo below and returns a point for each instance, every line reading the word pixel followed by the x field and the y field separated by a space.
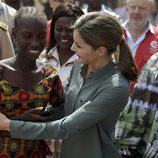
pixel 15 100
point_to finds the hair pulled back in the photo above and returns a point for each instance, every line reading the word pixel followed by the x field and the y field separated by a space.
pixel 102 29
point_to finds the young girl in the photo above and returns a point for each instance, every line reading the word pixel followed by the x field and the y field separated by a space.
pixel 25 85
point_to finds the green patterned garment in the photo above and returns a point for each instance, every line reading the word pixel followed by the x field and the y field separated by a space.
pixel 137 129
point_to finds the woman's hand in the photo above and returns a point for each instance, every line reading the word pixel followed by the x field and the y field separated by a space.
pixel 4 123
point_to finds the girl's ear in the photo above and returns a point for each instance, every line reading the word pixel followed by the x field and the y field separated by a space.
pixel 14 37
pixel 13 32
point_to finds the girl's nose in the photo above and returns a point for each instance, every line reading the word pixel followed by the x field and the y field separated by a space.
pixel 35 43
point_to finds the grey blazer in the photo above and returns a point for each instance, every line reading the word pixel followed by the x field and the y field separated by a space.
pixel 92 108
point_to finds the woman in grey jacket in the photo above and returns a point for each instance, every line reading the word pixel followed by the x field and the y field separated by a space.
pixel 97 92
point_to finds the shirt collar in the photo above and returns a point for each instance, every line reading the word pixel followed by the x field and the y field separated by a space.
pixel 149 27
pixel 106 70
pixel 71 60
pixel 55 55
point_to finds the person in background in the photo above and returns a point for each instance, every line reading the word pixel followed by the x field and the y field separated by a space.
pixel 121 9
pixel 95 96
pixel 25 84
pixel 28 3
pixel 107 3
pixel 53 4
pixel 80 3
pixel 137 128
pixel 13 3
pixel 6 47
pixel 97 5
pixel 59 53
pixel 48 10
pixel 7 15
pixel 154 15
pixel 141 36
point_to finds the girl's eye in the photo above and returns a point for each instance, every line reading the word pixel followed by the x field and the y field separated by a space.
pixel 42 36
pixel 27 35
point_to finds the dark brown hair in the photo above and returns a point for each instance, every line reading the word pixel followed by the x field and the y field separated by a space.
pixel 101 29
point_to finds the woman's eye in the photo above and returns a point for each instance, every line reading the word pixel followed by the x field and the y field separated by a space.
pixel 69 29
pixel 58 29
pixel 78 46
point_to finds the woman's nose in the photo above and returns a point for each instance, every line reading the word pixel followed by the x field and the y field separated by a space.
pixel 63 33
pixel 73 47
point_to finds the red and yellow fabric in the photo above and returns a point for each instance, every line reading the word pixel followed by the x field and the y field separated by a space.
pixel 15 100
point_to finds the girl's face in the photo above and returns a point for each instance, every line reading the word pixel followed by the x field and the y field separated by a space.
pixel 30 36
pixel 63 33
pixel 86 54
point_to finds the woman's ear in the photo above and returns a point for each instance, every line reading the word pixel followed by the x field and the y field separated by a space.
pixel 102 51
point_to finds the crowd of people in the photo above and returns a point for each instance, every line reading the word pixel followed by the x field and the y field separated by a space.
pixel 79 81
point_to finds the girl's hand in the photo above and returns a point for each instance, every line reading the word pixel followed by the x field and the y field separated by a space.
pixel 33 115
